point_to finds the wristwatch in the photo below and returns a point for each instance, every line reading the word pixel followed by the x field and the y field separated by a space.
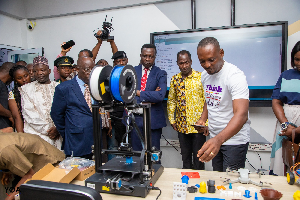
pixel 285 125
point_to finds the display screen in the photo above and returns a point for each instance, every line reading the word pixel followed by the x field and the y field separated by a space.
pixel 259 50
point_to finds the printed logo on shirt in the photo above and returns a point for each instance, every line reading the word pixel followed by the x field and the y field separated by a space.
pixel 213 95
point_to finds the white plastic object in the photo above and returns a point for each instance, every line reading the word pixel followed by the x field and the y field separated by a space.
pixel 179 191
pixel 237 194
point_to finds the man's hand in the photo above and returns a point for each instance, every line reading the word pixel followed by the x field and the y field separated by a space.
pixel 209 150
pixel 7 130
pixel 53 133
pixel 287 132
pixel 64 51
pixel 204 129
pixel 98 34
pixel 158 89
pixel 10 197
pixel 174 127
pixel 138 93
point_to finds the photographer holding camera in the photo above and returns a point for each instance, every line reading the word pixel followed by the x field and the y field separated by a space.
pixel 96 49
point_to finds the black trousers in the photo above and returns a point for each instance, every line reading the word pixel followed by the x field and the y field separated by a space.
pixel 232 156
pixel 190 145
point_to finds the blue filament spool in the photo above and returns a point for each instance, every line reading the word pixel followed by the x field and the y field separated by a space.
pixel 114 83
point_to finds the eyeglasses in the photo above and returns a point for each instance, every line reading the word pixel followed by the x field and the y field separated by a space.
pixel 87 69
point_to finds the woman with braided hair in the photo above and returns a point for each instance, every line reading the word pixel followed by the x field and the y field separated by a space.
pixel 20 75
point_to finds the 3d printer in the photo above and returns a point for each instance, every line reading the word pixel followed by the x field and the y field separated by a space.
pixel 130 172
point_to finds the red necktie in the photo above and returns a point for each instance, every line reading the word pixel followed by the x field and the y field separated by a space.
pixel 144 80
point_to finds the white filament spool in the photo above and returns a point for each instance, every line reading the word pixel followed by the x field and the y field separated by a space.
pixel 94 84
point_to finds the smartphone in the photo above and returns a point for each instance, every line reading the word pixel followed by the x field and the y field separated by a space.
pixel 68 44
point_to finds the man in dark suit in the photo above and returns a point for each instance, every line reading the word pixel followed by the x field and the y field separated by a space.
pixel 71 111
pixel 151 88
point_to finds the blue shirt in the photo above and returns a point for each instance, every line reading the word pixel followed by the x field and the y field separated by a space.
pixel 82 87
pixel 287 88
pixel 81 84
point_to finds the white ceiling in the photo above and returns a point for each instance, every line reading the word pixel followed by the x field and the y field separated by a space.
pixel 39 9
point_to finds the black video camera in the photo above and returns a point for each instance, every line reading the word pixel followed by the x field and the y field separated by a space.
pixel 106 29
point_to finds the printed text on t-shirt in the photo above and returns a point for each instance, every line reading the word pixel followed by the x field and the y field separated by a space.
pixel 213 95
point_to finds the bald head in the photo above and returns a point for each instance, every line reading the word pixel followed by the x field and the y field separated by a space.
pixel 83 60
pixel 84 67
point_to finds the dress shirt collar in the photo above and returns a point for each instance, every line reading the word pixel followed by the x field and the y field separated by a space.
pixel 81 84
pixel 149 69
pixel 79 81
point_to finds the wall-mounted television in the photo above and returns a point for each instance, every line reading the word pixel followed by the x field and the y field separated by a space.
pixel 259 50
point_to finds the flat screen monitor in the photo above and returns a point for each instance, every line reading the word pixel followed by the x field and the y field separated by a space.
pixel 259 50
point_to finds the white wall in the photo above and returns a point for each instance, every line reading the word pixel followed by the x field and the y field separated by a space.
pixel 10 30
pixel 261 11
pixel 213 13
pixel 132 29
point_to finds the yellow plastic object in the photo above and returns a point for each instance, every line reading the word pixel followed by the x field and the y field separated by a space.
pixel 296 195
pixel 105 188
pixel 202 188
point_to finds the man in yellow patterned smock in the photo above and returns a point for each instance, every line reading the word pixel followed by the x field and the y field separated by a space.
pixel 186 98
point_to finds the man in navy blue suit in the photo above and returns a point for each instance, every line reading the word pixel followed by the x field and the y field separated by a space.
pixel 71 113
pixel 151 88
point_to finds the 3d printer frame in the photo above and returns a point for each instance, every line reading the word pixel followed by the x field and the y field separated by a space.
pixel 118 176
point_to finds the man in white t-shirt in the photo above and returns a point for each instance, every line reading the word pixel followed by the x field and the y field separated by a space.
pixel 227 102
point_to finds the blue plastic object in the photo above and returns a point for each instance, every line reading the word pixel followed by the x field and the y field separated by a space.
pixel 154 157
pixel 255 196
pixel 230 185
pixel 114 82
pixel 185 179
pixel 120 184
pixel 129 160
pixel 197 185
pixel 247 194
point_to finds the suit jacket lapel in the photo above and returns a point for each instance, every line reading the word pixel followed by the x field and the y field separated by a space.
pixel 150 78
pixel 138 71
pixel 78 94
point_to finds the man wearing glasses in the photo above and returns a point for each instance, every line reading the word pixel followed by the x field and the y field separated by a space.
pixel 72 111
